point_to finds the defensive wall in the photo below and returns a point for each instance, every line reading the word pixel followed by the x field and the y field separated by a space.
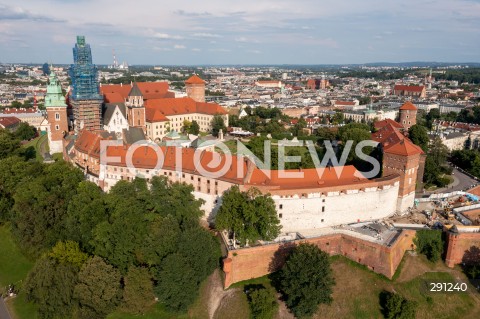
pixel 247 263
pixel 463 246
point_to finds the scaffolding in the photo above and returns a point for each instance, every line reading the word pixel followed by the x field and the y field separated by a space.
pixel 87 115
pixel 84 73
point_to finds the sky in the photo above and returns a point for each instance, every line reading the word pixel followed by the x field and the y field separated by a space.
pixel 195 32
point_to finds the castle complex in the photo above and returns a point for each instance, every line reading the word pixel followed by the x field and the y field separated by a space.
pixel 127 113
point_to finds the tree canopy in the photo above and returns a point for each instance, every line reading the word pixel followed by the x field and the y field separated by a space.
pixel 306 280
pixel 249 215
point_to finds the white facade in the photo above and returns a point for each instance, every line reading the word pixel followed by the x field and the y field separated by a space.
pixel 117 122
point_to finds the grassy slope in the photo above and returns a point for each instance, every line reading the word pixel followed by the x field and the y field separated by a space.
pixel 13 269
pixel 356 293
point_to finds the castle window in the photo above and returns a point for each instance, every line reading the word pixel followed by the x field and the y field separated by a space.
pixel 281 206
pixel 322 222
pixel 323 200
pixel 280 215
pixel 323 210
pixel 57 127
pixel 57 116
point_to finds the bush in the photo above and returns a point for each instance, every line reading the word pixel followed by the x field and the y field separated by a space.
pixel 429 243
pixel 396 306
pixel 263 303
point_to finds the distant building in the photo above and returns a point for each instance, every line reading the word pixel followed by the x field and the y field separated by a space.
pixel 269 84
pixel 410 90
pixel 9 123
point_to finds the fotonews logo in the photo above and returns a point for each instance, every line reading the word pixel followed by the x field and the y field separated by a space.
pixel 216 159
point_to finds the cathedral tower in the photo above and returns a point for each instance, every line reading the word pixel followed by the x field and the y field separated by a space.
pixel 85 96
pixel 56 114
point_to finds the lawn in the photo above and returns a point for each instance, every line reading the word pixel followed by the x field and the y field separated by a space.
pixel 35 143
pixel 13 269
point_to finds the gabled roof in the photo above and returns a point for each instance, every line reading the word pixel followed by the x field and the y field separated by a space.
pixel 135 91
pixel 133 134
pixel 110 109
pixel 408 106
pixel 379 124
pixel 404 147
pixel 194 79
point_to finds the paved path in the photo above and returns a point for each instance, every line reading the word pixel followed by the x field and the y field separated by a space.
pixel 461 182
pixel 3 310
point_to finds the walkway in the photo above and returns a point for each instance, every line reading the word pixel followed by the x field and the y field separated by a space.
pixel 4 314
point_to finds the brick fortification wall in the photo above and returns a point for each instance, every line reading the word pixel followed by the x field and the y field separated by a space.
pixel 248 263
pixel 463 248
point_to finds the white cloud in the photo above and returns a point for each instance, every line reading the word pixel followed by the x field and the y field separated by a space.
pixel 166 36
pixel 196 50
pixel 179 46
pixel 206 35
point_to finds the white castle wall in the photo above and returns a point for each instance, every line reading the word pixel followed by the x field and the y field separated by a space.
pixel 317 211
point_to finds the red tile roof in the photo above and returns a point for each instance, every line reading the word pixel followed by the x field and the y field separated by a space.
pixel 410 88
pixel 380 124
pixel 408 106
pixel 153 115
pixel 9 122
pixel 393 141
pixel 404 147
pixel 116 93
pixel 185 105
pixel 194 79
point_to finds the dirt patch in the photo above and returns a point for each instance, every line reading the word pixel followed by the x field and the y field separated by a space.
pixel 216 294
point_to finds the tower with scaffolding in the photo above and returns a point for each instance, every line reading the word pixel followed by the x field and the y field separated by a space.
pixel 85 96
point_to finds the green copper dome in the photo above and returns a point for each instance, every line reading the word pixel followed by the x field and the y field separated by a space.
pixel 54 96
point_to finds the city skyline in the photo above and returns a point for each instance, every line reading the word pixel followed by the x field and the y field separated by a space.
pixel 261 32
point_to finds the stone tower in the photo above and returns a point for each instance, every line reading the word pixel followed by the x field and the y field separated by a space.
pixel 56 114
pixel 85 95
pixel 404 158
pixel 135 107
pixel 195 88
pixel 408 115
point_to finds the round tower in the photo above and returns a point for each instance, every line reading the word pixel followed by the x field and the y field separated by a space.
pixel 408 115
pixel 195 88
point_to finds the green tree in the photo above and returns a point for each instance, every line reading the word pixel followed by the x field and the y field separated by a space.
pixel 40 209
pixel 337 118
pixel 98 290
pixel 51 282
pixel 306 280
pixel 431 116
pixel 177 283
pixel 68 253
pixel 355 132
pixel 138 291
pixel 86 209
pixel 25 132
pixel 396 306
pixel 187 125
pixel 263 303
pixel 195 128
pixel 8 144
pixel 218 123
pixel 429 243
pixel 419 136
pixel 249 215
pixel 13 170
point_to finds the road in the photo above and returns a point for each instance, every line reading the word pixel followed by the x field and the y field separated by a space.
pixel 461 182
pixel 3 310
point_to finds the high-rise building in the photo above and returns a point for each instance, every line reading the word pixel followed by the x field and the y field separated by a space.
pixel 85 95
pixel 56 114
